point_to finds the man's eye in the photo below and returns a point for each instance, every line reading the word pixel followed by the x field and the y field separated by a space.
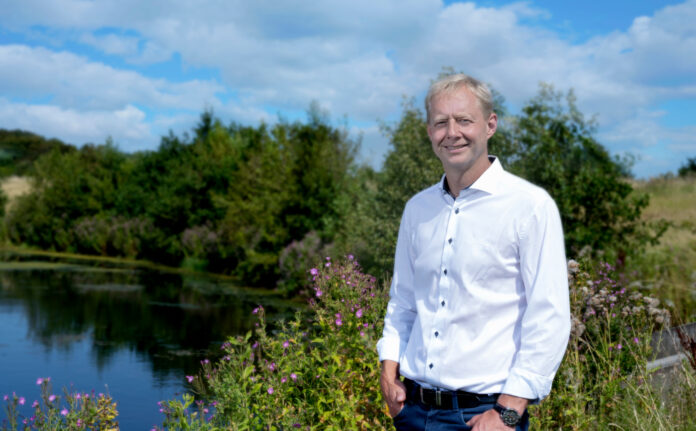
pixel 464 121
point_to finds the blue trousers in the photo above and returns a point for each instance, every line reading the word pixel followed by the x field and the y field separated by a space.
pixel 416 416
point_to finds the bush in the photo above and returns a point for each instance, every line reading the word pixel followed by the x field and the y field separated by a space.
pixel 322 373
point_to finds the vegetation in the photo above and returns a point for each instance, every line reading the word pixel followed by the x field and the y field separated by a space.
pixel 265 203
pixel 19 150
pixel 668 269
pixel 689 168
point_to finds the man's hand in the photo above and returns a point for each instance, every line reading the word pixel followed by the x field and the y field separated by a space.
pixel 393 389
pixel 490 420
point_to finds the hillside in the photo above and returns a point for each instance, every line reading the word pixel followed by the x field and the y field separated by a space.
pixel 19 149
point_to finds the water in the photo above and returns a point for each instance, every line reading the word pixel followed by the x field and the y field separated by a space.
pixel 132 332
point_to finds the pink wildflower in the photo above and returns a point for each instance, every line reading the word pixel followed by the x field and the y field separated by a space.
pixel 64 412
pixel 270 390
pixel 190 379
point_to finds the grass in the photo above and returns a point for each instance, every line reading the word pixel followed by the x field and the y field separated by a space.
pixel 668 270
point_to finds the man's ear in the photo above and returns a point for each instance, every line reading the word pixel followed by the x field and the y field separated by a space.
pixel 492 124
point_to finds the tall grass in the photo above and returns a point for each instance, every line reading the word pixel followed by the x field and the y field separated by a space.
pixel 668 270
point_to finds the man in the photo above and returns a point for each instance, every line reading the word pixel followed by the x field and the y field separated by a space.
pixel 478 318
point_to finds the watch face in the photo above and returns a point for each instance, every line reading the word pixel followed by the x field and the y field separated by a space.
pixel 510 417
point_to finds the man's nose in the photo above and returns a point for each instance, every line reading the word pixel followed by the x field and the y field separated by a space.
pixel 451 127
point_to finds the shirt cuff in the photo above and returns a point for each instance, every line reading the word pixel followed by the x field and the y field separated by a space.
pixel 524 384
pixel 389 349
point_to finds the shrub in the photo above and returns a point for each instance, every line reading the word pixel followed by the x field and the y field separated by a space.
pixel 321 374
pixel 609 347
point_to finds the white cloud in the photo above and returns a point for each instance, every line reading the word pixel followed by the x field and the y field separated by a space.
pixel 126 126
pixel 74 81
pixel 113 44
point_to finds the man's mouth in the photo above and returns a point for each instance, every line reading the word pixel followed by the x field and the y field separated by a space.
pixel 455 147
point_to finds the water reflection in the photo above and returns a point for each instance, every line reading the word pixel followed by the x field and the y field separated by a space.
pixel 167 320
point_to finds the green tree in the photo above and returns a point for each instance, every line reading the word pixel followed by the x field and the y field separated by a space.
pixel 556 150
pixel 688 168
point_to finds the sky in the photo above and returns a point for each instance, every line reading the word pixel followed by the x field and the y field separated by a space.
pixel 86 70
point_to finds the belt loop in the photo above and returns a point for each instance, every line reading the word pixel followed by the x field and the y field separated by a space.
pixel 438 397
pixel 420 388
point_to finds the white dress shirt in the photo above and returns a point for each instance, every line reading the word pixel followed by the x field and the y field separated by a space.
pixel 479 295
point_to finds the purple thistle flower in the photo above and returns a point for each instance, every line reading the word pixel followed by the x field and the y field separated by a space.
pixel 35 404
pixel 351 257
pixel 635 340
pixel 283 380
pixel 255 310
pixel 327 264
pixel 619 346
pixel 359 313
pixel 286 344
pixel 319 293
pixel 270 390
pixel 190 379
pixel 339 322
pixel 39 381
pixel 52 398
pixel 314 271
pixel 293 376
pixel 22 400
pixel 64 412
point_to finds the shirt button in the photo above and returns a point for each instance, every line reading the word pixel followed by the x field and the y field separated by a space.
pixel 437 333
pixel 456 211
pixel 445 272
pixel 430 366
pixel 449 240
pixel 443 303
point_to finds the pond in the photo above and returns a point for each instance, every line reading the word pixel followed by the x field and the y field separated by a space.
pixel 134 332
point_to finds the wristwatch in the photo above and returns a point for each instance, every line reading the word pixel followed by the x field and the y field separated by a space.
pixel 510 417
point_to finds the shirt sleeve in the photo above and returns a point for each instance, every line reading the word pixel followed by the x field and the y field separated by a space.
pixel 545 325
pixel 401 309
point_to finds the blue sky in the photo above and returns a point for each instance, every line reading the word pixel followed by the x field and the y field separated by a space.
pixel 83 70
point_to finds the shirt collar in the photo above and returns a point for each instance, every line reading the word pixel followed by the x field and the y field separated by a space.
pixel 487 182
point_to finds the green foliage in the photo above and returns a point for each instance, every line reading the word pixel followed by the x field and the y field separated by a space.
pixel 20 149
pixel 229 200
pixel 408 168
pixel 556 150
pixel 688 168
pixel 320 372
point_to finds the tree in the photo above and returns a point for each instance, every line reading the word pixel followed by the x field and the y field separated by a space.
pixel 688 168
pixel 556 150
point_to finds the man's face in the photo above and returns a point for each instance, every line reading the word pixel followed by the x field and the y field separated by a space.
pixel 459 131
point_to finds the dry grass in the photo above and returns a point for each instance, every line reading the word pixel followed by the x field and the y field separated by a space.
pixel 670 266
pixel 13 187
